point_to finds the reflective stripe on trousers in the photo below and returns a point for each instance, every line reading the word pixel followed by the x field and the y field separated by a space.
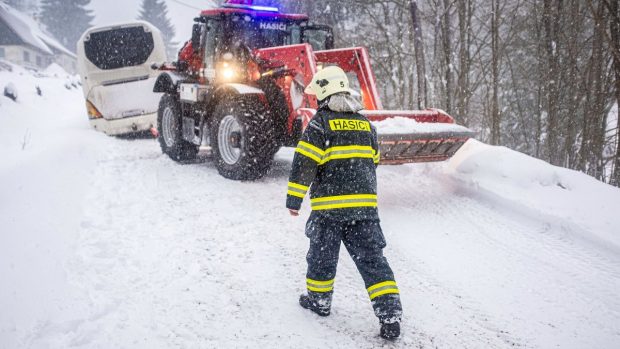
pixel 320 286
pixel 385 287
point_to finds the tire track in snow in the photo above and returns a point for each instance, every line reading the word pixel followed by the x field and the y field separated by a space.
pixel 534 263
pixel 182 271
pixel 176 256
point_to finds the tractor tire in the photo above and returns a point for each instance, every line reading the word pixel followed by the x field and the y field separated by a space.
pixel 169 127
pixel 242 138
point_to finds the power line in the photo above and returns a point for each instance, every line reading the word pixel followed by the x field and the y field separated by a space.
pixel 187 5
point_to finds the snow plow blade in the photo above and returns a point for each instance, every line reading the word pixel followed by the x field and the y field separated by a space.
pixel 417 136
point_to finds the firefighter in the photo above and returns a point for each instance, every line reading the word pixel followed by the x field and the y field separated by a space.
pixel 336 160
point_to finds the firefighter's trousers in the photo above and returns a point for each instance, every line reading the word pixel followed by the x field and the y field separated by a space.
pixel 364 241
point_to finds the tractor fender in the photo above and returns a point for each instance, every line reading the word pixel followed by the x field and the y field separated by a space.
pixel 240 89
pixel 233 89
pixel 167 82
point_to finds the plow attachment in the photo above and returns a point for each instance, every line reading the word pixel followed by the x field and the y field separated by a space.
pixel 417 136
pixel 405 136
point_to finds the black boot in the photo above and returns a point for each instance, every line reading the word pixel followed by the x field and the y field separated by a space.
pixel 390 331
pixel 316 304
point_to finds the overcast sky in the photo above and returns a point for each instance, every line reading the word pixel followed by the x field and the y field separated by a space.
pixel 180 12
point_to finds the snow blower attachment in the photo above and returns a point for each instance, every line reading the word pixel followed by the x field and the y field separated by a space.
pixel 238 86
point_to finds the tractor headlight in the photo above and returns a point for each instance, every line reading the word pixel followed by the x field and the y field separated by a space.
pixel 227 72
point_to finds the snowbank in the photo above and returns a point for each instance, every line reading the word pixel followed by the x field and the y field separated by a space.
pixel 30 121
pixel 45 160
pixel 570 196
pixel 56 70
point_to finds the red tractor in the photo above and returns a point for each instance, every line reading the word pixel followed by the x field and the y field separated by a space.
pixel 238 86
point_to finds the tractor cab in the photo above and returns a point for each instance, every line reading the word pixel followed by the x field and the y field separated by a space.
pixel 261 27
pixel 226 38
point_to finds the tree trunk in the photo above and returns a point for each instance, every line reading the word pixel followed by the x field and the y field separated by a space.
pixel 614 28
pixel 551 20
pixel 495 112
pixel 598 110
pixel 419 55
pixel 463 83
pixel 447 53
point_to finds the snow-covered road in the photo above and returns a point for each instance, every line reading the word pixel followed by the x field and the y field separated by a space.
pixel 106 243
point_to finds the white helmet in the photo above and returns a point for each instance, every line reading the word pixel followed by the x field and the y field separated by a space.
pixel 328 81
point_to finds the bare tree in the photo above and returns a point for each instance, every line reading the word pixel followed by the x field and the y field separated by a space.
pixel 420 63
pixel 538 76
pixel 463 92
pixel 613 7
pixel 551 19
pixel 495 57
pixel 446 42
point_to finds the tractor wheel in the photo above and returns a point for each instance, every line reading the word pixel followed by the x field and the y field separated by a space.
pixel 242 138
pixel 169 127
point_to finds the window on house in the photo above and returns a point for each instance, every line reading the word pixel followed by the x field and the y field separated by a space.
pixel 39 61
pixel 2 52
pixel 26 56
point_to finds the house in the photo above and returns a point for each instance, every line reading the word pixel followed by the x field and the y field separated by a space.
pixel 23 42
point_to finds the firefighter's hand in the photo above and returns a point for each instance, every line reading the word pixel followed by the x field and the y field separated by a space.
pixel 293 213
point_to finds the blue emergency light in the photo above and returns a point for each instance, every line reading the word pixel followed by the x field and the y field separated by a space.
pixel 247 5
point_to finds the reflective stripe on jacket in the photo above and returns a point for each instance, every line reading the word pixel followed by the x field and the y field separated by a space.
pixel 336 161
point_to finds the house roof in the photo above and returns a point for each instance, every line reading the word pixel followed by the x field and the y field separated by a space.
pixel 29 31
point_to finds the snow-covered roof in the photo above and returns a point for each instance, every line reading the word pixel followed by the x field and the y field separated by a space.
pixel 29 31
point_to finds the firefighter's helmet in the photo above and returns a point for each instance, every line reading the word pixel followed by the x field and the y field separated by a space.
pixel 328 81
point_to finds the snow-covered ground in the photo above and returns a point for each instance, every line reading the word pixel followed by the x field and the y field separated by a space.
pixel 106 243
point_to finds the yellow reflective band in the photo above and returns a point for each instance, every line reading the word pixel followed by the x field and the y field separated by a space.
pixel 310 151
pixel 317 282
pixel 344 205
pixel 320 286
pixel 343 201
pixel 349 125
pixel 344 197
pixel 298 186
pixel 346 156
pixel 381 284
pixel 385 287
pixel 316 289
pixel 294 193
pixel 348 152
pixel 308 154
pixel 311 147
pixel 297 190
pixel 349 147
pixel 381 293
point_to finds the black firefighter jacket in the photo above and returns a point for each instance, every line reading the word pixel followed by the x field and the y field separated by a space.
pixel 336 159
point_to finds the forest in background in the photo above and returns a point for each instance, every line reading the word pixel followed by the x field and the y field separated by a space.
pixel 538 76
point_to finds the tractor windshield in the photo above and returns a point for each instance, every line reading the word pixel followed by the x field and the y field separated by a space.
pixel 261 33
